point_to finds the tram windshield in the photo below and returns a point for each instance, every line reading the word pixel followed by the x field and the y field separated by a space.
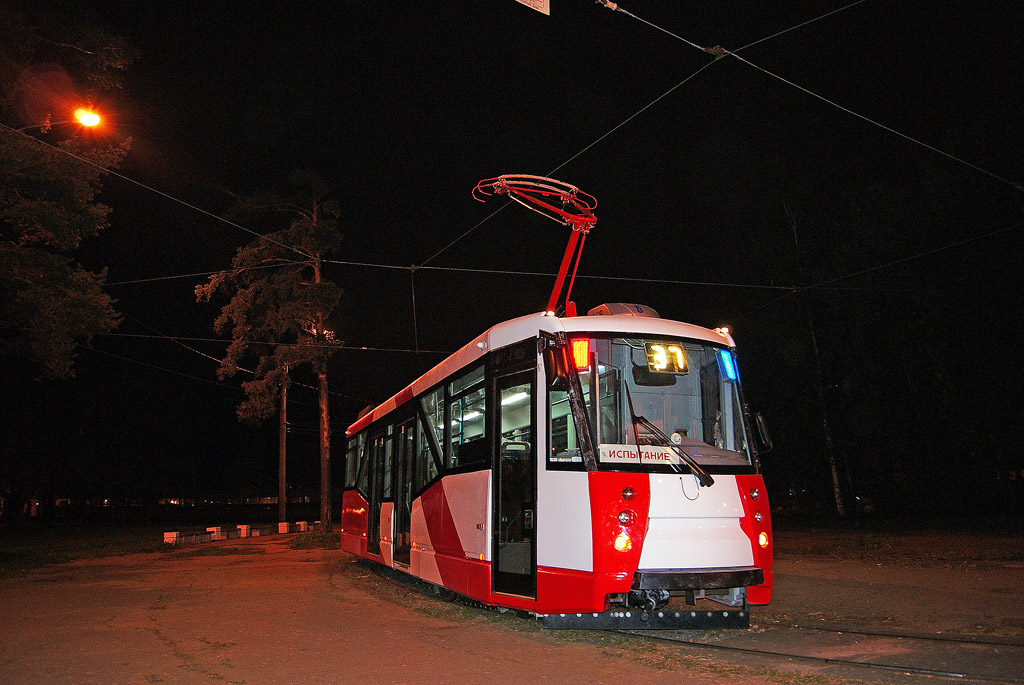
pixel 682 392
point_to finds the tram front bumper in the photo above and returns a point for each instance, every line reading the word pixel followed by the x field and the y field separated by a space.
pixel 697 579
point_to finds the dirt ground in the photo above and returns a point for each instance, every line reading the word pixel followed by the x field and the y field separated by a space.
pixel 923 583
pixel 257 611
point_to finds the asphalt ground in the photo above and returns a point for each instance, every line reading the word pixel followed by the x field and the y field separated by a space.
pixel 258 611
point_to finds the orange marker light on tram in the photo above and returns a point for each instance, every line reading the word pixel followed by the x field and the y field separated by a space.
pixel 581 353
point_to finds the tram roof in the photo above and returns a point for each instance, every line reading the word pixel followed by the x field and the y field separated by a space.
pixel 515 330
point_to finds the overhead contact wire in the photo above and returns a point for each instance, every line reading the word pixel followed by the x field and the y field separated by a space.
pixel 719 51
pixel 154 190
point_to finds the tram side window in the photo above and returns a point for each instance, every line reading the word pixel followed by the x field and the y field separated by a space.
pixel 467 417
pixel 720 421
pixel 564 447
pixel 433 407
pixel 354 459
pixel 363 483
pixel 462 383
pixel 388 461
pixel 426 467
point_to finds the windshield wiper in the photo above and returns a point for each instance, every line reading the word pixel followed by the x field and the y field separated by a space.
pixel 702 476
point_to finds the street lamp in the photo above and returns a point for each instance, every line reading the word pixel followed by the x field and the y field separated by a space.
pixel 86 116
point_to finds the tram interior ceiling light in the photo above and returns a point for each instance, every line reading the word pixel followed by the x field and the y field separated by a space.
pixel 512 399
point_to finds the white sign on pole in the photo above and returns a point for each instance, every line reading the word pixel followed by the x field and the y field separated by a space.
pixel 543 6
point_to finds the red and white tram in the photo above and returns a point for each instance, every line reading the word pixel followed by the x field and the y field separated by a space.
pixel 585 469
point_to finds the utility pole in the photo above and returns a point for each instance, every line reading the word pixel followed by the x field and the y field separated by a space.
pixel 325 422
pixel 837 493
pixel 282 443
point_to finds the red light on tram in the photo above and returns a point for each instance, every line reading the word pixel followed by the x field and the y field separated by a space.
pixel 581 353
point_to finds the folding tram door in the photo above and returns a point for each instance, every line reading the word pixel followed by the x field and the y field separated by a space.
pixel 405 464
pixel 380 486
pixel 514 552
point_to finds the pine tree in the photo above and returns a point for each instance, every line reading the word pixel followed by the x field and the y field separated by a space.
pixel 280 304
pixel 49 303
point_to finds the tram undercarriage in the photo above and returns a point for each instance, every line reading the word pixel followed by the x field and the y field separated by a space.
pixel 665 600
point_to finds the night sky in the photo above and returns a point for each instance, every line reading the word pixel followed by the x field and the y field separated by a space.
pixel 716 204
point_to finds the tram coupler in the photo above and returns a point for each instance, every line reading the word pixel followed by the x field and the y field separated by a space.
pixel 660 619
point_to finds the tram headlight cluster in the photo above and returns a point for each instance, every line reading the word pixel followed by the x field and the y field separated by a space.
pixel 623 542
pixel 762 539
pixel 626 517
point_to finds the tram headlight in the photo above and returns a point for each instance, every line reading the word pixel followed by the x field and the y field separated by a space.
pixel 626 516
pixel 627 493
pixel 754 493
pixel 623 542
pixel 762 539
pixel 758 516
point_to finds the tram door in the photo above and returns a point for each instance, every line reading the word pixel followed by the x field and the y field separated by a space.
pixel 405 464
pixel 380 487
pixel 514 568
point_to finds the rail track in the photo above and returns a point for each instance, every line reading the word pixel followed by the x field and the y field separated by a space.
pixel 984 649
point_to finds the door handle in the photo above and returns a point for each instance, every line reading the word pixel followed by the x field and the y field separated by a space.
pixel 528 519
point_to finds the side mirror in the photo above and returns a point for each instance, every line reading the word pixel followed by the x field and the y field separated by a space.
pixel 556 368
pixel 764 438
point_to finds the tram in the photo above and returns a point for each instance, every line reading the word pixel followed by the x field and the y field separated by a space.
pixel 596 471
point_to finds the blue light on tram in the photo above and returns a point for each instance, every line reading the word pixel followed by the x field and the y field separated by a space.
pixel 727 365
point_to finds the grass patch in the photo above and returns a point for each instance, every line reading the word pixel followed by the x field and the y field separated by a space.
pixel 316 540
pixel 30 546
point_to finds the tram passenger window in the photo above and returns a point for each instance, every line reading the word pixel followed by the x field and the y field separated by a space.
pixel 467 417
pixel 353 459
pixel 426 467
pixel 433 407
pixel 470 379
pixel 363 484
pixel 388 461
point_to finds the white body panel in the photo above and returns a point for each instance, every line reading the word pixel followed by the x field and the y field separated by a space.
pixel 564 534
pixel 692 527
pixel 421 559
pixel 387 510
pixel 469 499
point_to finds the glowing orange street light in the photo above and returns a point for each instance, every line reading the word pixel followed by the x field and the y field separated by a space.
pixel 83 115
pixel 87 117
